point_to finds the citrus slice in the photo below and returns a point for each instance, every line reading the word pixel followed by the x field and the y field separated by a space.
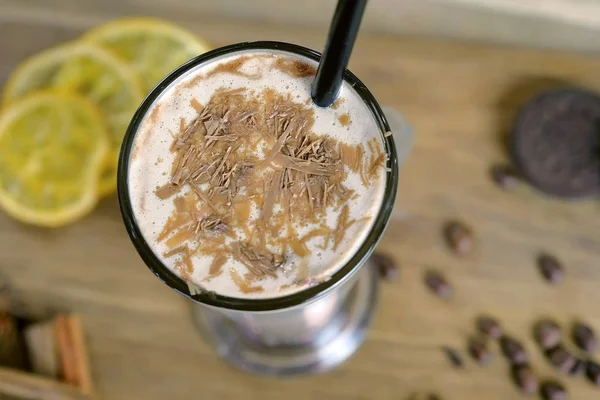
pixel 153 47
pixel 52 148
pixel 94 73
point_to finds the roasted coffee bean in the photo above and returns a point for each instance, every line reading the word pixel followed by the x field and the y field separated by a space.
pixel 504 176
pixel 453 356
pixel 438 284
pixel 553 391
pixel 550 268
pixel 584 337
pixel 592 371
pixel 525 378
pixel 578 368
pixel 513 350
pixel 490 327
pixel 434 396
pixel 547 334
pixel 459 238
pixel 561 359
pixel 386 265
pixel 480 352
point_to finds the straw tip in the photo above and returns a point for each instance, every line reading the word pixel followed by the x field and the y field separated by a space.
pixel 323 100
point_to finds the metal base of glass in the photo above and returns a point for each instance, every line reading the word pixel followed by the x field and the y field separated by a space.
pixel 334 343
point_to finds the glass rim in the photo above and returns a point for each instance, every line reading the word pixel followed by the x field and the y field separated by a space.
pixel 306 295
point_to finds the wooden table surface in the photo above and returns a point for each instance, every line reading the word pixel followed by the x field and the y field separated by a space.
pixel 460 100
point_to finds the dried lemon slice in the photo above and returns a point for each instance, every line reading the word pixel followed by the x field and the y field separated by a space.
pixel 94 73
pixel 153 47
pixel 52 148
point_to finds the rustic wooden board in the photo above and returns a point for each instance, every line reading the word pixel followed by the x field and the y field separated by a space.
pixel 552 24
pixel 460 100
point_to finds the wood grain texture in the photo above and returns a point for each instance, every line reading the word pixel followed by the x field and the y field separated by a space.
pixel 460 100
pixel 554 24
pixel 17 385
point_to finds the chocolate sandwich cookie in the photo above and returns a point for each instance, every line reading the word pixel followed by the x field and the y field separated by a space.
pixel 556 143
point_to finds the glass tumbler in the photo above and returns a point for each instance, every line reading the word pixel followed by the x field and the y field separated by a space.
pixel 310 331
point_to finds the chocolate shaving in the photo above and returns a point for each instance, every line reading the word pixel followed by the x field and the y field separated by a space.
pixel 196 105
pixel 216 267
pixel 203 197
pixel 219 176
pixel 180 237
pixel 376 161
pixel 299 247
pixel 316 233
pixel 304 166
pixel 247 117
pixel 195 128
pixel 181 204
pixel 272 192
pixel 364 176
pixel 352 156
pixel 342 225
pixel 242 284
pixel 212 223
pixel 258 261
pixel 174 223
pixel 185 268
pixel 166 191
pixel 177 250
pixel 281 140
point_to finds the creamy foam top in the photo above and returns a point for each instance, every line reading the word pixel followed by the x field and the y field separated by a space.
pixel 349 122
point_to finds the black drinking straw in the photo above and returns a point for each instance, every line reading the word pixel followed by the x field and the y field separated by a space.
pixel 342 34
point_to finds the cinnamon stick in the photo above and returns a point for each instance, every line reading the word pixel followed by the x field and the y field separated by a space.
pixel 65 350
pixel 82 365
